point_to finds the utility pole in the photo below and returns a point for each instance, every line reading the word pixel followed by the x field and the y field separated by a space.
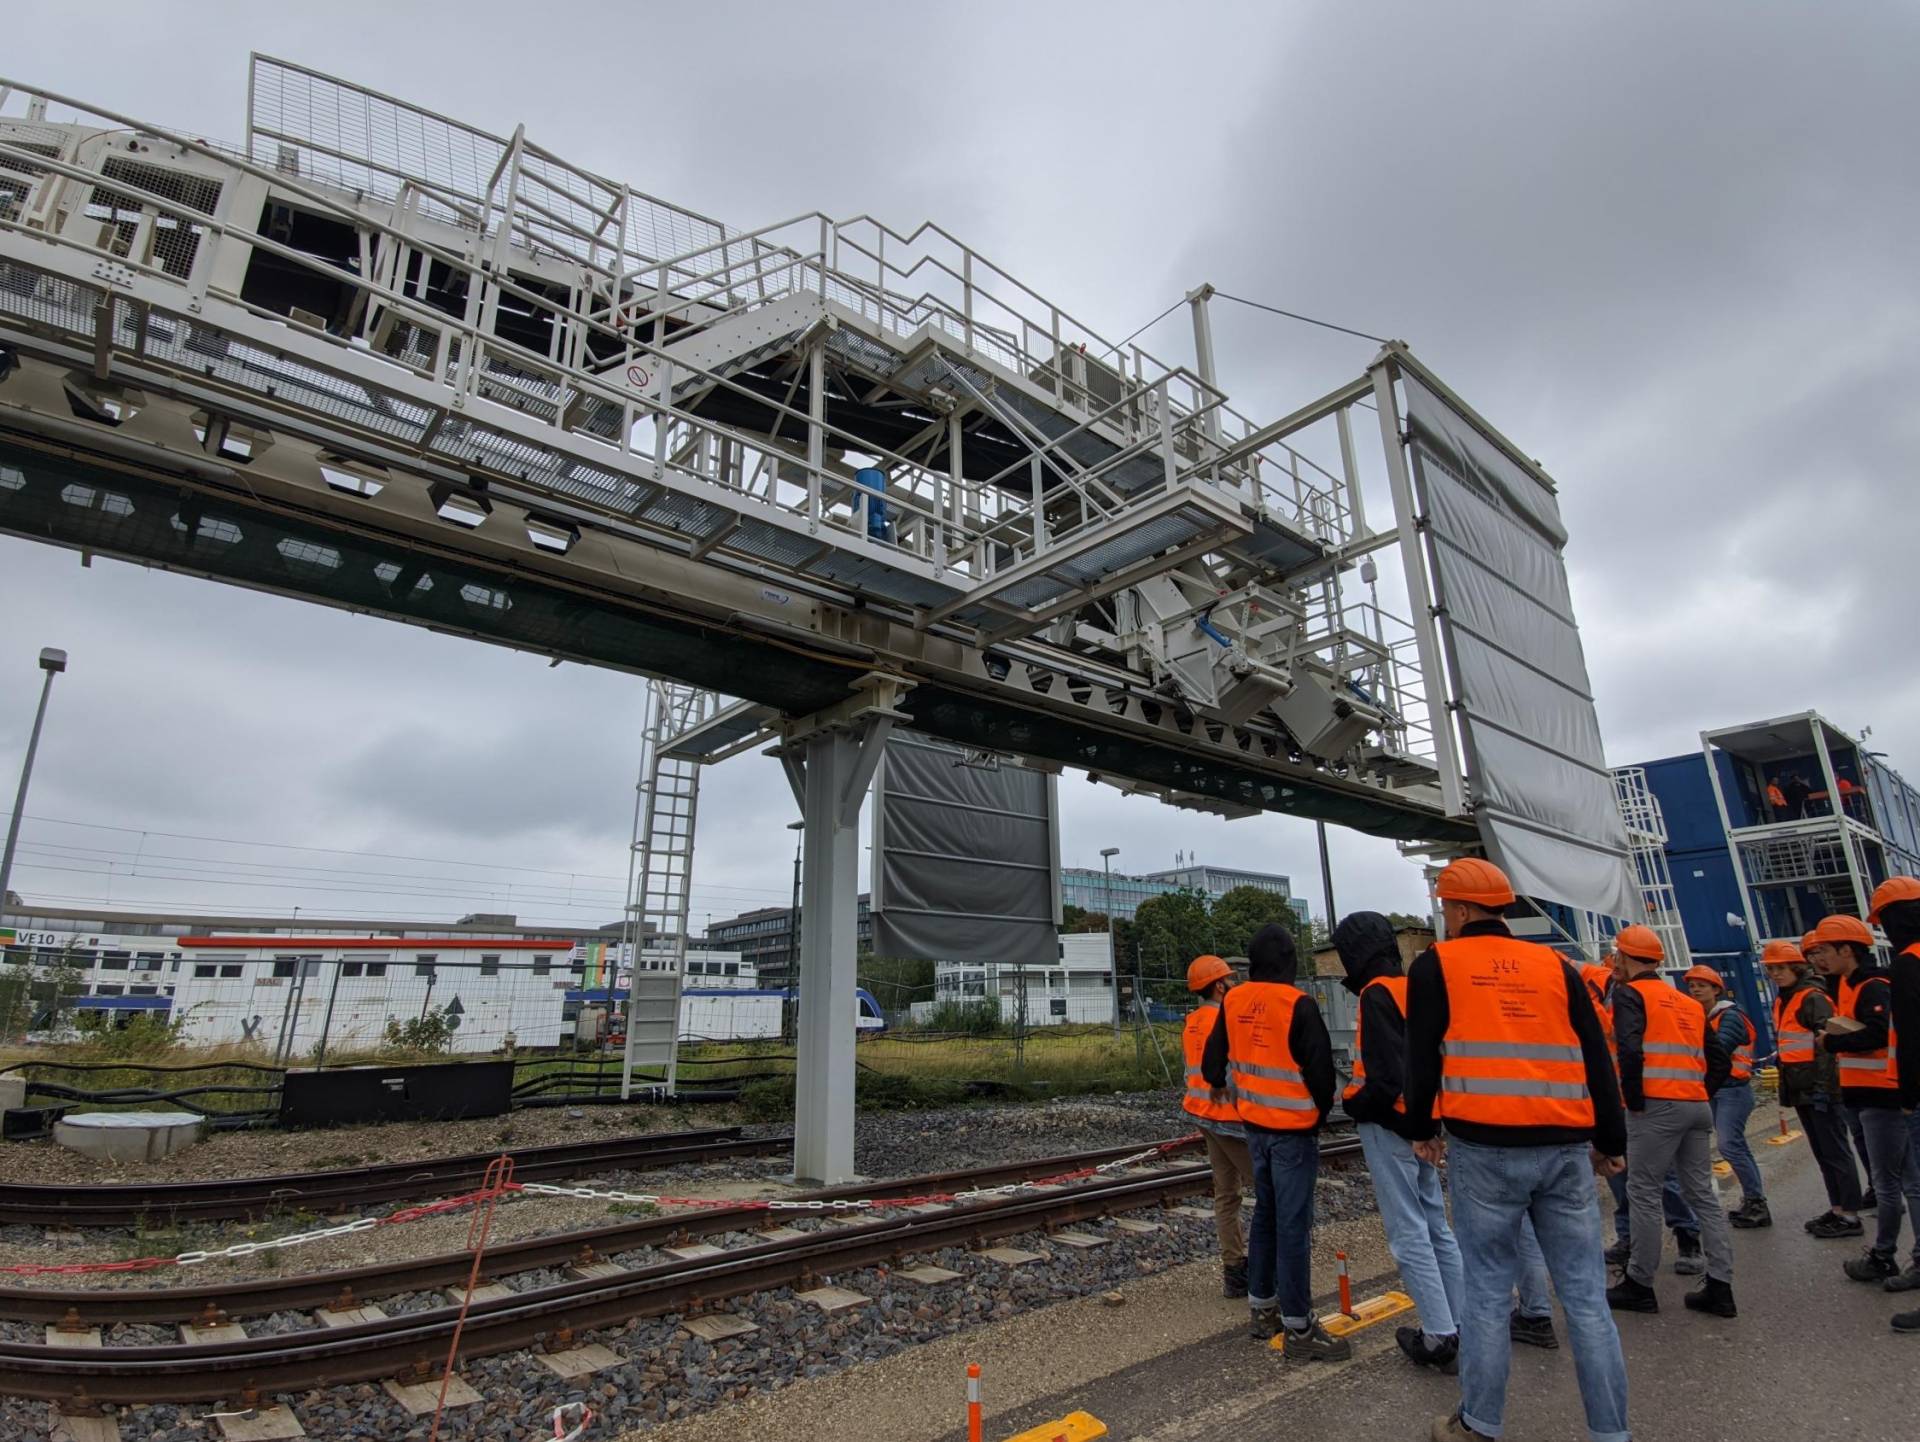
pixel 53 662
pixel 1326 874
pixel 1113 959
pixel 792 1007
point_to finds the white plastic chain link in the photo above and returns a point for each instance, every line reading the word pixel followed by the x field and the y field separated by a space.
pixel 296 1239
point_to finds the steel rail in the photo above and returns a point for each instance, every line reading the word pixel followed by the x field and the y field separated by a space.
pixel 348 1287
pixel 413 1346
pixel 244 1197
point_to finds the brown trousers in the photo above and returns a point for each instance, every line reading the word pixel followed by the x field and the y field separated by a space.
pixel 1232 1175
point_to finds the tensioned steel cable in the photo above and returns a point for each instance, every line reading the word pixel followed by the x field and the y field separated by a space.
pixel 1295 315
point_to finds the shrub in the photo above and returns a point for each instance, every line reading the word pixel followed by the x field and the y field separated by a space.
pixel 430 1032
pixel 965 1018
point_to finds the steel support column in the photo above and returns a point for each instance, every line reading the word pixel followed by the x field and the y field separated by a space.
pixel 837 766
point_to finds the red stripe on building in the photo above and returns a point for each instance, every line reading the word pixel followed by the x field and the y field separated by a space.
pixel 370 943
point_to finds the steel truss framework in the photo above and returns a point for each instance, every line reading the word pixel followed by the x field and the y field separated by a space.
pixel 382 359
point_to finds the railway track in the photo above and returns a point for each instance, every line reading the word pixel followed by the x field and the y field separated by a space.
pixel 321 1192
pixel 413 1346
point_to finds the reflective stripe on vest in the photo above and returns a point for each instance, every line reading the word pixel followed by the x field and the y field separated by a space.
pixel 1511 1057
pixel 1199 1100
pixel 1742 1053
pixel 1675 1048
pixel 1396 987
pixel 1268 1089
pixel 1795 1040
pixel 1862 1068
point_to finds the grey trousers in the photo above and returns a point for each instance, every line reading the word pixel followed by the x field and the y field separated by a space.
pixel 1677 1135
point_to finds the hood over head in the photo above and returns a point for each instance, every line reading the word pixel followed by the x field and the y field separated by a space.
pixel 1901 922
pixel 1271 955
pixel 1367 948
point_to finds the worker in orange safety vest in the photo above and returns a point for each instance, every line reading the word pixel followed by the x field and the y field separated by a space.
pixel 1209 978
pixel 1670 1065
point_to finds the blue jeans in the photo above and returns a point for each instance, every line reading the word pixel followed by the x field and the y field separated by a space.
pixel 1535 1298
pixel 1673 1206
pixel 1892 1174
pixel 1280 1242
pixel 1414 1213
pixel 1494 1188
pixel 1732 1105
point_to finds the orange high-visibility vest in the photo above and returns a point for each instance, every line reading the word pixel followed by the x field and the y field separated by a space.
pixel 1742 1068
pixel 1396 987
pixel 1794 1036
pixel 1861 1068
pixel 1675 1047
pixel 1775 796
pixel 1599 980
pixel 1511 1057
pixel 1199 1100
pixel 1268 1090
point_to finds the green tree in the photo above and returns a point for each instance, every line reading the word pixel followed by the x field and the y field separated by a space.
pixel 896 982
pixel 1244 910
pixel 1169 931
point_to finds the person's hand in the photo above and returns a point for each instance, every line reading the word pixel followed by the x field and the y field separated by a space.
pixel 1820 1041
pixel 1217 1094
pixel 1636 1111
pixel 1433 1151
pixel 1605 1165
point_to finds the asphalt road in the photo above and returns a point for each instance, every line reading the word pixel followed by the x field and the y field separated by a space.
pixel 1810 1357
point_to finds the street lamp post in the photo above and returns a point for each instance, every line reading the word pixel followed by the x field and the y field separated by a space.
pixel 53 662
pixel 1113 956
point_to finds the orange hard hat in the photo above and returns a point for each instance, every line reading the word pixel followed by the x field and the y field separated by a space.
pixel 1894 888
pixel 1807 943
pixel 1838 928
pixel 1706 974
pixel 1476 881
pixel 1784 953
pixel 1204 971
pixel 1642 943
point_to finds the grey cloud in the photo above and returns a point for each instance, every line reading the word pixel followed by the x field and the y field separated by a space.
pixel 1667 248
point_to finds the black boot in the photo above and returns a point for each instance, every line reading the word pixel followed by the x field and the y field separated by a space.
pixel 1627 1295
pixel 1753 1212
pixel 1691 1261
pixel 1713 1296
pixel 1263 1325
pixel 1444 1358
pixel 1233 1279
pixel 1617 1254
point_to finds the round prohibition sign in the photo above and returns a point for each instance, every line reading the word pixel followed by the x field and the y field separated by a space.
pixel 639 377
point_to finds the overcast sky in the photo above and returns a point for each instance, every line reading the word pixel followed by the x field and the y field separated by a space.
pixel 1669 249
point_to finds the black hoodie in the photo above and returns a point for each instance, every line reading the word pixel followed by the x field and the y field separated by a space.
pixel 1901 922
pixel 1271 959
pixel 1369 950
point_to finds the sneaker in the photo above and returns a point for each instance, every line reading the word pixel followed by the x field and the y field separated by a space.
pixel 1452 1429
pixel 1907 1281
pixel 1312 1343
pixel 1872 1267
pixel 1617 1254
pixel 1233 1280
pixel 1627 1295
pixel 1534 1331
pixel 1692 1261
pixel 1820 1221
pixel 1902 1322
pixel 1713 1296
pixel 1444 1358
pixel 1833 1227
pixel 1752 1213
pixel 1263 1325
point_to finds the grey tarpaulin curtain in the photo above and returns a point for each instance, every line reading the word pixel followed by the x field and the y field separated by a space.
pixel 965 858
pixel 1543 796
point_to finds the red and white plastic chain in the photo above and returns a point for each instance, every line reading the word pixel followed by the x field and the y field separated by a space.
pixel 248 1249
pixel 606 1194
